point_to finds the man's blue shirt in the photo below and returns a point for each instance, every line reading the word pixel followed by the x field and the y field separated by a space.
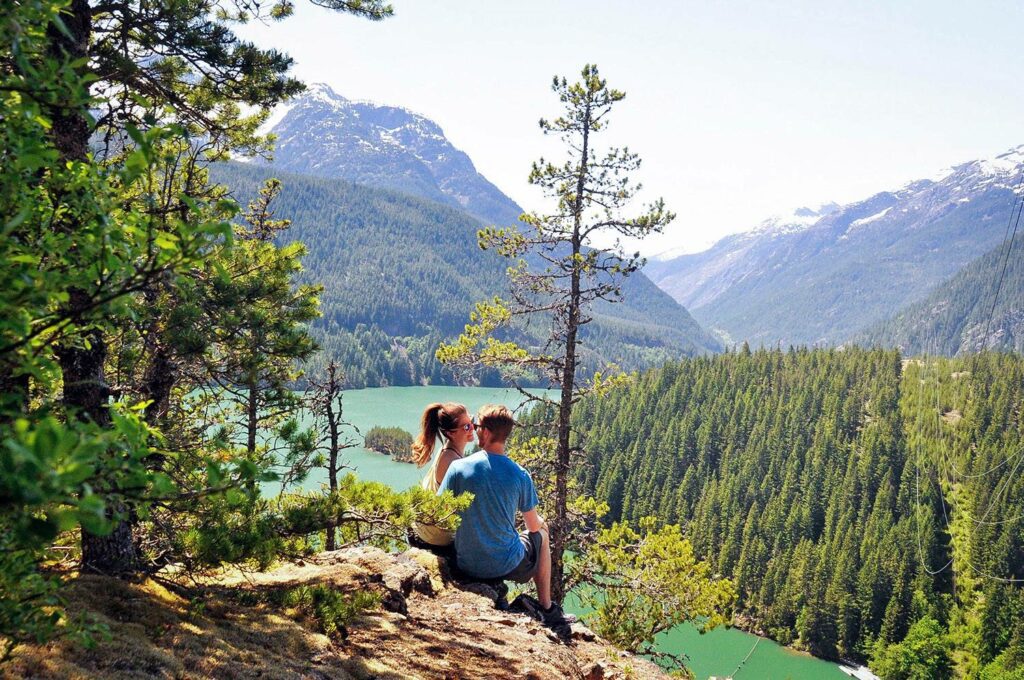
pixel 487 544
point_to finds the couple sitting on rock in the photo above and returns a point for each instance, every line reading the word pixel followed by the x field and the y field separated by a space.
pixel 487 545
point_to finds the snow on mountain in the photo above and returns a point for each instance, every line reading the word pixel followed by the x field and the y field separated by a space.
pixel 323 133
pixel 799 220
pixel 818 276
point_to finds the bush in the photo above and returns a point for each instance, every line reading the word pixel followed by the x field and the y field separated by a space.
pixel 922 655
pixel 331 609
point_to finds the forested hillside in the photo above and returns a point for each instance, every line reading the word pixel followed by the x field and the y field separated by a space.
pixel 401 273
pixel 813 478
pixel 956 315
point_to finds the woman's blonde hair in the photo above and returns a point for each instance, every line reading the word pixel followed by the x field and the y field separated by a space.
pixel 437 419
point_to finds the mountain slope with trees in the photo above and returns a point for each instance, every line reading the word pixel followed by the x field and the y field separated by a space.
pixel 400 274
pixel 955 317
pixel 822 279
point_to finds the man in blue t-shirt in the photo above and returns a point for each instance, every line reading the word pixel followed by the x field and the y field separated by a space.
pixel 487 543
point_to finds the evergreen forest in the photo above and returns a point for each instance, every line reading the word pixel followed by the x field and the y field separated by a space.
pixel 391 441
pixel 401 274
pixel 861 501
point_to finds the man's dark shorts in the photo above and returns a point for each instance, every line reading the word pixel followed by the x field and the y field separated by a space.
pixel 533 542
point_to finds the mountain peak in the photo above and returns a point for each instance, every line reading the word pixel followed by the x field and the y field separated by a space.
pixel 819 211
pixel 1008 162
pixel 842 268
pixel 325 134
pixel 324 93
pixel 798 220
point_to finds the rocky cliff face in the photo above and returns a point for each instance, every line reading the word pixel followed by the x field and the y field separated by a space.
pixel 426 626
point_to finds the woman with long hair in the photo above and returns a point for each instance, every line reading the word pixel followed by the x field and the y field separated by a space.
pixel 451 423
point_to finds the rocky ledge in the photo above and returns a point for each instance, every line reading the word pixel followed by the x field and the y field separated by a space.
pixel 426 626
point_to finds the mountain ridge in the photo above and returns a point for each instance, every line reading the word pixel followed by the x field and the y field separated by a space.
pixel 384 312
pixel 823 282
pixel 322 133
pixel 399 256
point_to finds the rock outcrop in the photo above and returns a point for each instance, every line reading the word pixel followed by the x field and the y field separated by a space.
pixel 427 626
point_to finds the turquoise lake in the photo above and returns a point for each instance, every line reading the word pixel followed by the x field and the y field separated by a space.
pixel 717 653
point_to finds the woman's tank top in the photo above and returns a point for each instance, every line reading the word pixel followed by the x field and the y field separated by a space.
pixel 427 532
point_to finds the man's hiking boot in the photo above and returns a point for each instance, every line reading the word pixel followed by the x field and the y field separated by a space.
pixel 555 616
pixel 552 618
pixel 501 602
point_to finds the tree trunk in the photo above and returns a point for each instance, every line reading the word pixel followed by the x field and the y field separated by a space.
pixel 86 392
pixel 161 374
pixel 332 465
pixel 560 528
pixel 252 418
pixel 14 391
pixel 162 370
pixel 332 462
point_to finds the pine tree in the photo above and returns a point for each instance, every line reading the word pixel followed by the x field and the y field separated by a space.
pixel 187 68
pixel 327 406
pixel 558 273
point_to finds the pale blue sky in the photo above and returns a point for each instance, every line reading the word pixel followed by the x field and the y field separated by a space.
pixel 740 110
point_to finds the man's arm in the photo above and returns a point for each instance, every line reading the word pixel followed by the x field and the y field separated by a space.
pixel 534 522
pixel 528 504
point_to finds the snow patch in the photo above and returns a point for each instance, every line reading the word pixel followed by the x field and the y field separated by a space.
pixel 276 116
pixel 322 92
pixel 799 220
pixel 868 220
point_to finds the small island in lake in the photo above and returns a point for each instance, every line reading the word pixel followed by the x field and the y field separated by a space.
pixel 391 441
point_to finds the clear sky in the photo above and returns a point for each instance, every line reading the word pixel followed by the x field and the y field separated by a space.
pixel 740 110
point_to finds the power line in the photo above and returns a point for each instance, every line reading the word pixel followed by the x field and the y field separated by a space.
pixel 1017 201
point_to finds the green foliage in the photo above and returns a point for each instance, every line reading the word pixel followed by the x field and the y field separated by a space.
pixel 1009 665
pixel 112 238
pixel 54 478
pixel 393 441
pixel 385 313
pixel 646 581
pixel 923 655
pixel 363 512
pixel 330 608
pixel 812 479
pixel 74 251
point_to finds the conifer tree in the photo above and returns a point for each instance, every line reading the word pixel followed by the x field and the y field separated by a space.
pixel 138 64
pixel 559 272
pixel 327 406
